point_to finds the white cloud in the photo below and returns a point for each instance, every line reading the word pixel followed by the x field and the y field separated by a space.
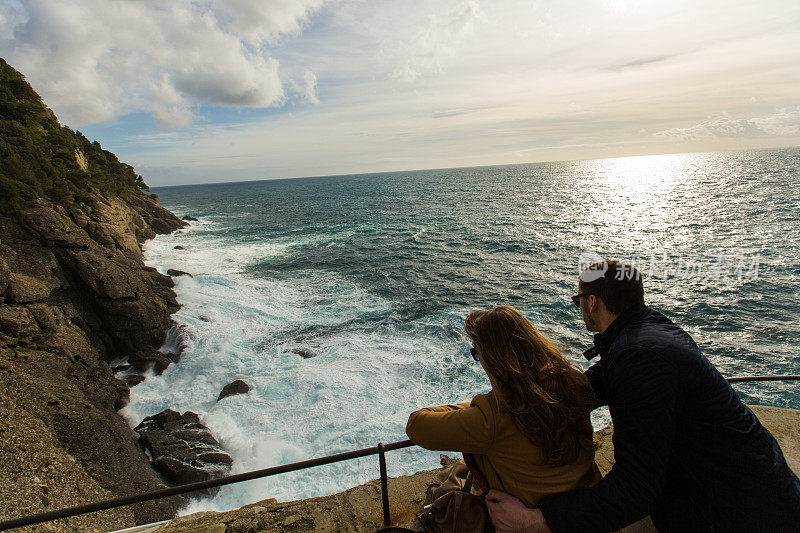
pixel 504 81
pixel 399 85
pixel 169 117
pixel 439 39
pixel 309 89
pixel 94 60
pixel 256 21
pixel 782 123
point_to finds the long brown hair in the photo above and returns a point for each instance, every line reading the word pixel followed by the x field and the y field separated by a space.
pixel 549 398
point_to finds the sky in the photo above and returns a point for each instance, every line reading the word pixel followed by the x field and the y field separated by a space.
pixel 231 90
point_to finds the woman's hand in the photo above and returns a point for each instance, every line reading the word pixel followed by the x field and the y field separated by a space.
pixel 510 514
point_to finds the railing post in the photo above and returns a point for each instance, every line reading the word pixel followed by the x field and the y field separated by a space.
pixel 384 485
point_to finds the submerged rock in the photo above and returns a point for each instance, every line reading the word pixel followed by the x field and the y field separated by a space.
pixel 145 360
pixel 183 449
pixel 178 247
pixel 131 380
pixel 304 353
pixel 233 388
pixel 175 273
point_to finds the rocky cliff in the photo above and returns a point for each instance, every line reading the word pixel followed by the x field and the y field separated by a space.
pixel 74 297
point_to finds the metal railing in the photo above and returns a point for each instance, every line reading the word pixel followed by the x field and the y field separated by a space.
pixel 380 450
pixel 741 379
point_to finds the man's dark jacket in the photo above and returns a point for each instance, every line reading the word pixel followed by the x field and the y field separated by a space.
pixel 687 450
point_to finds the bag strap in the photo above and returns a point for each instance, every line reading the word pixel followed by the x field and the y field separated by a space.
pixel 468 483
pixel 475 472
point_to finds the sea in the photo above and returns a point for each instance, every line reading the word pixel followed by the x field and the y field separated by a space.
pixel 341 300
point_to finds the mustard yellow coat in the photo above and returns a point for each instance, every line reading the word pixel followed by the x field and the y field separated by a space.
pixel 506 458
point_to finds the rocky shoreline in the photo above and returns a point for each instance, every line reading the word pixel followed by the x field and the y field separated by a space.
pixel 75 297
pixel 83 319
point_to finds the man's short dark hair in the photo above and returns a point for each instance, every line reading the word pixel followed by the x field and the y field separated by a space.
pixel 619 285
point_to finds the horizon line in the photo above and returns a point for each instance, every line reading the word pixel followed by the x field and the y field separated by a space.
pixel 382 172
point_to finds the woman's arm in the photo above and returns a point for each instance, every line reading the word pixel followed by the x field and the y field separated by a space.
pixel 466 427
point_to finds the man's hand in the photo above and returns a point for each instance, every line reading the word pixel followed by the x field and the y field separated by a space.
pixel 510 514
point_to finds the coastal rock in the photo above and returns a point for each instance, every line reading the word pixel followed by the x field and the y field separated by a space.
pixel 53 227
pixel 189 218
pixel 103 275
pixel 5 277
pixel 175 273
pixel 233 388
pixel 178 247
pixel 183 449
pixel 118 225
pixel 131 380
pixel 74 296
pixel 157 220
pixel 17 321
pixel 31 450
pixel 305 353
pixel 25 289
pixel 29 259
pixel 152 359
pixel 50 319
pixel 131 305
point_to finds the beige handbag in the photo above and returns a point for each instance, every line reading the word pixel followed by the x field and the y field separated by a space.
pixel 451 507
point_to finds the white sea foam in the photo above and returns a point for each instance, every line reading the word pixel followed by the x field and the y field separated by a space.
pixel 358 390
pixel 370 370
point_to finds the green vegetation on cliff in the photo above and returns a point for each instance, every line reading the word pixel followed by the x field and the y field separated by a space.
pixel 40 158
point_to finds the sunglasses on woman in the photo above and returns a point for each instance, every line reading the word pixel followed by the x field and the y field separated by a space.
pixel 474 353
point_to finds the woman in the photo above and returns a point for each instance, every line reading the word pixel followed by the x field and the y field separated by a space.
pixel 531 435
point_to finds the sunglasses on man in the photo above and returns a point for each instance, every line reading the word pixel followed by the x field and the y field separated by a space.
pixel 577 298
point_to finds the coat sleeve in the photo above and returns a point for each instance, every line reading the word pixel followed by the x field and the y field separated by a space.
pixel 465 427
pixel 595 375
pixel 646 399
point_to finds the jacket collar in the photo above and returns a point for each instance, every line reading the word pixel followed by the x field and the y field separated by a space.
pixel 602 341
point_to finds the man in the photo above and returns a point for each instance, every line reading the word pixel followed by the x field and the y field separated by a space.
pixel 687 451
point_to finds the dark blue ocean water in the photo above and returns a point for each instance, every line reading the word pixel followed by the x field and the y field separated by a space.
pixel 375 273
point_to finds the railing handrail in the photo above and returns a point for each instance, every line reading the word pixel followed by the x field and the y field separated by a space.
pixel 199 485
pixel 266 472
pixel 741 379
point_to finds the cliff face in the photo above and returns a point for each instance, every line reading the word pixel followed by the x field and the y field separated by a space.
pixel 74 296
